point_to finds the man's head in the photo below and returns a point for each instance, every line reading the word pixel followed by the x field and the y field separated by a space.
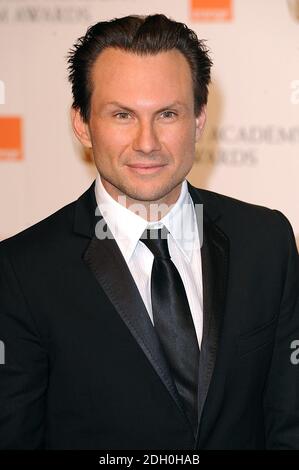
pixel 140 86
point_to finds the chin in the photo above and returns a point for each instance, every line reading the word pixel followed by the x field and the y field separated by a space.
pixel 149 194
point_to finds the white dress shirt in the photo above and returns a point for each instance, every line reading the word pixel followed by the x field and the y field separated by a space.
pixel 183 243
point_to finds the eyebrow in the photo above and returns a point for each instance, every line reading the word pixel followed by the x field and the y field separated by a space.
pixel 127 108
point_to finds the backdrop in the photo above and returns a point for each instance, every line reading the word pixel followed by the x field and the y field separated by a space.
pixel 250 146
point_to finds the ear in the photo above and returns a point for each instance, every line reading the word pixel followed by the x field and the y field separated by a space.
pixel 80 128
pixel 200 123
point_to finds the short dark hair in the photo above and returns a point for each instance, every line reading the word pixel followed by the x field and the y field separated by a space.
pixel 143 35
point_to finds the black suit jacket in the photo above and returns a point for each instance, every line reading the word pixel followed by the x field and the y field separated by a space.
pixel 83 366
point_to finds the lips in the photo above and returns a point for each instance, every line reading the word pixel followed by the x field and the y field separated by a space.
pixel 145 168
pixel 146 165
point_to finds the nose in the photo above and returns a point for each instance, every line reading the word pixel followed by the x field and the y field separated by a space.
pixel 146 139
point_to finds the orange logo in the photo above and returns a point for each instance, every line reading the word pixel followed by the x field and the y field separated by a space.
pixel 211 10
pixel 10 138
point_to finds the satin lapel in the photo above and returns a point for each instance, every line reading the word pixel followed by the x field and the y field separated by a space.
pixel 215 271
pixel 214 254
pixel 109 267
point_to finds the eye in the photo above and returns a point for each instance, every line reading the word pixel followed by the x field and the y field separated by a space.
pixel 122 116
pixel 169 114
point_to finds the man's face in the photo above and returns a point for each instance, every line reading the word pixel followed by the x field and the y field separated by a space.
pixel 142 126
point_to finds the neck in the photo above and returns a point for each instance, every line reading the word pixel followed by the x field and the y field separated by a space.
pixel 152 211
pixel 148 210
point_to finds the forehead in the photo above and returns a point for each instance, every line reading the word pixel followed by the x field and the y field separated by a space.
pixel 118 74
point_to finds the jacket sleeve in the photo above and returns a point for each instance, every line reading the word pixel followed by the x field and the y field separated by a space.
pixel 281 397
pixel 23 366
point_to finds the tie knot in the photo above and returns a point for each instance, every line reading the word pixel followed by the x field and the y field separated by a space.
pixel 156 241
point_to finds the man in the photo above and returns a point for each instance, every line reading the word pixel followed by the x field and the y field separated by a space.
pixel 127 326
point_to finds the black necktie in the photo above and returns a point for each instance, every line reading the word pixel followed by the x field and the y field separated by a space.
pixel 173 321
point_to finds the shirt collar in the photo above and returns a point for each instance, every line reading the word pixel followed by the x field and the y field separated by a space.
pixel 127 227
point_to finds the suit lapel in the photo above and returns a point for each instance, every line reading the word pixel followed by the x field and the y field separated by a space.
pixel 214 254
pixel 110 269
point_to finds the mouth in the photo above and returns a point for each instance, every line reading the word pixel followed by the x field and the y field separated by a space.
pixel 145 168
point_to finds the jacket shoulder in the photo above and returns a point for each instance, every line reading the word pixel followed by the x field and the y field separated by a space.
pixel 244 218
pixel 42 233
pixel 229 203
